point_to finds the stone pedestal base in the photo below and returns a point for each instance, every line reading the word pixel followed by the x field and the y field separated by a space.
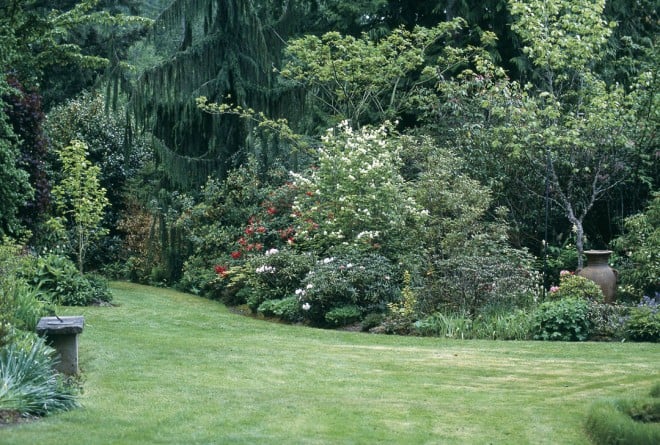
pixel 62 335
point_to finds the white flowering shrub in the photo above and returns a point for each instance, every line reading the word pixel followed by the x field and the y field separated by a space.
pixel 363 281
pixel 356 195
pixel 274 275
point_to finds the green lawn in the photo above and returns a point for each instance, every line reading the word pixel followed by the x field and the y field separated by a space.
pixel 169 368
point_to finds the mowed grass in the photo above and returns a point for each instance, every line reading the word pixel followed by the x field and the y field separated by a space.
pixel 169 368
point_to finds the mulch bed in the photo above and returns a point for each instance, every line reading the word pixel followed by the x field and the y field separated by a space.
pixel 8 418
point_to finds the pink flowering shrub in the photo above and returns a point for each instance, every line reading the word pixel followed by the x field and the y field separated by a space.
pixel 575 286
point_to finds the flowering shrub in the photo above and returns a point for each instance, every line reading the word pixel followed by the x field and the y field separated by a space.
pixel 356 196
pixel 366 281
pixel 575 286
pixel 274 275
pixel 234 221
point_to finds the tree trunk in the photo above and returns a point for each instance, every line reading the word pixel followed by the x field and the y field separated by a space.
pixel 579 242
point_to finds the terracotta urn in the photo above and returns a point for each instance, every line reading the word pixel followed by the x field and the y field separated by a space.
pixel 599 271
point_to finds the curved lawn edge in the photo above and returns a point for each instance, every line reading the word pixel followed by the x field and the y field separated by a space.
pixel 167 367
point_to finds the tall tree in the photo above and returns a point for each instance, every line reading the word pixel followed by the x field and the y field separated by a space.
pixel 33 38
pixel 582 137
pixel 225 51
pixel 26 117
pixel 14 182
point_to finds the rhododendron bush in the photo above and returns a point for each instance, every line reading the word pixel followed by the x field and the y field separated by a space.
pixel 330 244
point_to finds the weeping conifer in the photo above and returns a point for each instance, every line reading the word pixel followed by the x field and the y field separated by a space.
pixel 226 50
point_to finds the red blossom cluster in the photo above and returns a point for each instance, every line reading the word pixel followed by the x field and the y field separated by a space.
pixel 255 234
pixel 287 235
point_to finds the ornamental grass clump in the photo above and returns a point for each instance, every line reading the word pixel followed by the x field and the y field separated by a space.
pixel 29 385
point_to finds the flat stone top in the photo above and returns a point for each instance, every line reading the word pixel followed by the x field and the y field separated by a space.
pixel 63 325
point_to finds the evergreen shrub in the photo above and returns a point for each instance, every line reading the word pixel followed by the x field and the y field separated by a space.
pixel 275 275
pixel 343 316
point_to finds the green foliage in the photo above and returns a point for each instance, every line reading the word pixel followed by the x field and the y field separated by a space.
pixel 361 79
pixel 14 181
pixel 233 220
pixel 625 421
pixel 608 321
pixel 80 198
pixel 233 46
pixel 470 259
pixel 23 304
pixel 496 274
pixel 20 304
pixel 24 110
pixel 640 247
pixel 575 287
pixel 343 316
pixel 559 258
pixel 564 320
pixel 60 282
pixel 367 281
pixel 30 385
pixel 118 157
pixel 561 34
pixel 643 321
pixel 511 325
pixel 405 308
pixel 286 309
pixel 372 320
pixel 61 49
pixel 578 129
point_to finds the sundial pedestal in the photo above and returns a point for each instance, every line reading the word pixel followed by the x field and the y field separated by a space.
pixel 61 333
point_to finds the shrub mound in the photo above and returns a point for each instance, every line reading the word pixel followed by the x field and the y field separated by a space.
pixel 626 421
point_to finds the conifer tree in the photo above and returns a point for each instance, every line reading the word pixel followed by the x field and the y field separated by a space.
pixel 224 50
